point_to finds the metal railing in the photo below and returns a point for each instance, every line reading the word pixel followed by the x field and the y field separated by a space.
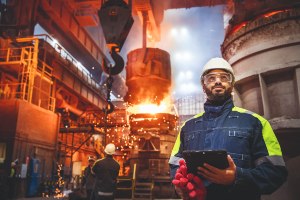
pixel 75 66
pixel 26 65
pixel 14 55
pixel 12 91
pixel 132 181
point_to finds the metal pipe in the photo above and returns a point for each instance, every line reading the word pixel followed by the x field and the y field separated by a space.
pixel 144 29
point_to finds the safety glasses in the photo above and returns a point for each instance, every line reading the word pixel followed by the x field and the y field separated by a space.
pixel 212 78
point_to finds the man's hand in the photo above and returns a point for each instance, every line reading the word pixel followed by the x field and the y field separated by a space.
pixel 187 185
pixel 219 176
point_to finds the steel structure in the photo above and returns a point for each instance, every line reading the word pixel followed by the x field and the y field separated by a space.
pixel 50 106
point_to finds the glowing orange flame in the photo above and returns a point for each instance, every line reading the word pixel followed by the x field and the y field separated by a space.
pixel 149 108
pixel 266 15
pixel 238 27
pixel 165 106
pixel 273 13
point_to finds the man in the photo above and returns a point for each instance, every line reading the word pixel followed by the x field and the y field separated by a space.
pixel 89 178
pixel 12 180
pixel 106 170
pixel 255 160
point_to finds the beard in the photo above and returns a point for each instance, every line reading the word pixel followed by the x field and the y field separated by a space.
pixel 216 96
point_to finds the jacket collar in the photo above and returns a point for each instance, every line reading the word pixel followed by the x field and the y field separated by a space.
pixel 212 110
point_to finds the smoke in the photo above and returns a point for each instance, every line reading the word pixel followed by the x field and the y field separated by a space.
pixel 192 37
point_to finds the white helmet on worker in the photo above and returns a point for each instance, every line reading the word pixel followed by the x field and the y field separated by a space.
pixel 13 164
pixel 110 149
pixel 217 63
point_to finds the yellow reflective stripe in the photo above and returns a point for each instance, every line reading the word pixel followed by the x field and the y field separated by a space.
pixel 238 109
pixel 198 115
pixel 269 137
pixel 176 145
pixel 12 172
pixel 177 142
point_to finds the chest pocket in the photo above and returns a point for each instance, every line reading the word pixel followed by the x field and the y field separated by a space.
pixel 236 140
pixel 238 133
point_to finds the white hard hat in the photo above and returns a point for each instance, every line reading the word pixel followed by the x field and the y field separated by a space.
pixel 217 63
pixel 110 149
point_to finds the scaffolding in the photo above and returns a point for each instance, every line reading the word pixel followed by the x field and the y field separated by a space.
pixel 34 83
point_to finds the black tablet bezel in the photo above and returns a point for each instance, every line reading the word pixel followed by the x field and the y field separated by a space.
pixel 216 158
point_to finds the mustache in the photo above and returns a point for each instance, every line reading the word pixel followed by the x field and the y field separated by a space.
pixel 218 86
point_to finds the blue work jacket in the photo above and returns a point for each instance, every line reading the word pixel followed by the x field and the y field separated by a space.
pixel 248 139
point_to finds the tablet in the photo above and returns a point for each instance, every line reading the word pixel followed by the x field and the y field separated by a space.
pixel 194 159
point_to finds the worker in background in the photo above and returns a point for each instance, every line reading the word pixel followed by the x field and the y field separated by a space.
pixel 12 180
pixel 106 171
pixel 256 165
pixel 89 178
pixel 6 91
pixel 1 93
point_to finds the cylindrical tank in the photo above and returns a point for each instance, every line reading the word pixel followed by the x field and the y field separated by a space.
pixel 263 46
pixel 148 75
pixel 264 52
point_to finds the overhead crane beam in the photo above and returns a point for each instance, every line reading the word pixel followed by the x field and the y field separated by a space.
pixel 59 20
pixel 175 4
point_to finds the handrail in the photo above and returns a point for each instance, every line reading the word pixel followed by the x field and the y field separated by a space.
pixel 133 180
pixel 75 66
pixel 11 91
pixel 13 55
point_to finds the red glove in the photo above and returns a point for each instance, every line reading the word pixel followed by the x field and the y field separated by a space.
pixel 189 183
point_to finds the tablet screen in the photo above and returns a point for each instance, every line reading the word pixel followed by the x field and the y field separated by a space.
pixel 194 159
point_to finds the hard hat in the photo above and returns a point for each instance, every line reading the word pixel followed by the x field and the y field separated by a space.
pixel 91 158
pixel 217 63
pixel 110 149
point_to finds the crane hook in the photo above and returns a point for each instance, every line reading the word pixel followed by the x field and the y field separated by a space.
pixel 109 108
pixel 119 63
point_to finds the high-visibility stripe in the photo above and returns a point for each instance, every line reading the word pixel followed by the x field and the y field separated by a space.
pixel 242 110
pixel 275 160
pixel 177 142
pixel 198 115
pixel 268 134
pixel 12 172
pixel 105 193
pixel 176 145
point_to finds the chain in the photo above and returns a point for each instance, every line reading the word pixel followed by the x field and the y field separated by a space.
pixel 109 107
